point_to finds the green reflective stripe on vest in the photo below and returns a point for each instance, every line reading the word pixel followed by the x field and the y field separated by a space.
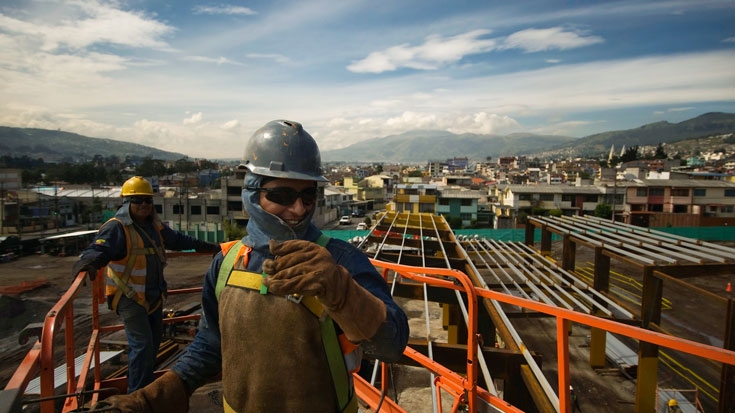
pixel 322 240
pixel 336 361
pixel 226 267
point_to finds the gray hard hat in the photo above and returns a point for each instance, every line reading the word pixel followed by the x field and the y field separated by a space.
pixel 283 149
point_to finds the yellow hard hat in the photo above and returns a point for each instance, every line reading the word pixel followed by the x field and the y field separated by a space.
pixel 672 402
pixel 136 185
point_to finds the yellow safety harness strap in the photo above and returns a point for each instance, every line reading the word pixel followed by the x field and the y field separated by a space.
pixel 254 281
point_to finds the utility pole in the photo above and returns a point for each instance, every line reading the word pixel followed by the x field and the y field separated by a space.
pixel 615 193
pixel 56 206
pixel 2 206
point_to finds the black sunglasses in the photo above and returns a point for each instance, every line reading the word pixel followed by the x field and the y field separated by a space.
pixel 141 200
pixel 286 196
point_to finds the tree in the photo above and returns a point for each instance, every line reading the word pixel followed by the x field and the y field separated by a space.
pixel 603 210
pixel 631 154
pixel 660 153
pixel 184 165
pixel 233 231
pixel 151 167
pixel 521 218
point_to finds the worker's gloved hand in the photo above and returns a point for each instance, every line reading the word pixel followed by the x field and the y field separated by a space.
pixel 166 394
pixel 84 265
pixel 303 267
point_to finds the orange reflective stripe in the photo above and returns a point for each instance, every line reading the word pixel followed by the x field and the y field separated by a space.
pixel 345 344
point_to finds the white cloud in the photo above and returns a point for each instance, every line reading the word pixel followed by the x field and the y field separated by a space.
pixel 193 119
pixel 219 60
pixel 435 52
pixel 537 40
pixel 269 56
pixel 225 9
pixel 438 51
pixel 232 124
pixel 91 23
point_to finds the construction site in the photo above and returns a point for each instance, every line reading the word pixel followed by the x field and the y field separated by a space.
pixel 584 315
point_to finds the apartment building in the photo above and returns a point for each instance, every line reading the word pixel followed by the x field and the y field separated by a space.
pixel 458 205
pixel 413 198
pixel 642 202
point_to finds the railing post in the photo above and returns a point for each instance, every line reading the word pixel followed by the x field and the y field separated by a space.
pixel 647 376
pixel 545 241
pixel 601 283
pixel 727 377
pixel 562 357
pixel 529 234
pixel 569 253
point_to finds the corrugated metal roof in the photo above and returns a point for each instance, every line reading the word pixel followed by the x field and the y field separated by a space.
pixel 34 386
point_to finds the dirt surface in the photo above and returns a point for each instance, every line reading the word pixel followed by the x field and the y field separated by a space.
pixel 688 315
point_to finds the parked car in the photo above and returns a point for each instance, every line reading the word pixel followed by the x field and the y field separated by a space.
pixel 358 213
pixel 362 226
pixel 345 220
pixel 10 244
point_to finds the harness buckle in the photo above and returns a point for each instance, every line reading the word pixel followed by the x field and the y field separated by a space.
pixel 295 298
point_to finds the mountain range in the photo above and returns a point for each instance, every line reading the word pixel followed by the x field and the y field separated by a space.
pixel 409 147
pixel 57 146
pixel 420 146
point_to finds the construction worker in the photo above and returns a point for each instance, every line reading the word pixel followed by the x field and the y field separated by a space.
pixel 133 246
pixel 287 311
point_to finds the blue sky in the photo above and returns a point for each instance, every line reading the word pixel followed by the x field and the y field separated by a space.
pixel 200 77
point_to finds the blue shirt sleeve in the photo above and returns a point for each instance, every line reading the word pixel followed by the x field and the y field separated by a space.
pixel 202 359
pixel 108 245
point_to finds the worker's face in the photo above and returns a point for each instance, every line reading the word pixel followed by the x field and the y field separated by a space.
pixel 289 199
pixel 141 207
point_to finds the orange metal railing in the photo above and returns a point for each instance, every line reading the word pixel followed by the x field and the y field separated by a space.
pixel 462 387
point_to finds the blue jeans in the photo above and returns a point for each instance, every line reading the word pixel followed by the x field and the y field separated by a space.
pixel 143 332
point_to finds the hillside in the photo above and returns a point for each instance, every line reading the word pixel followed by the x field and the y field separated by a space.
pixel 419 146
pixel 408 147
pixel 598 145
pixel 56 146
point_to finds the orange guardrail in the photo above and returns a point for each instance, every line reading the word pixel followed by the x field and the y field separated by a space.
pixel 462 387
pixel 468 383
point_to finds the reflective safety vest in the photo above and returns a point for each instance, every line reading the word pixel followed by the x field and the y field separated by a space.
pixel 128 275
pixel 343 356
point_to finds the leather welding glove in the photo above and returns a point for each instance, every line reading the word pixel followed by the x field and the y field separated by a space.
pixel 84 264
pixel 166 394
pixel 305 268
